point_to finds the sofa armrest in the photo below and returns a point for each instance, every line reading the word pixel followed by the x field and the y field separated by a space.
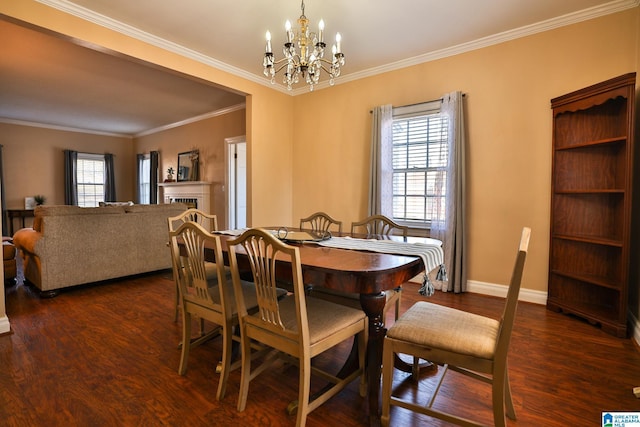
pixel 26 239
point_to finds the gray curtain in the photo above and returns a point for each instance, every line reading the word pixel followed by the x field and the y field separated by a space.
pixel 109 179
pixel 380 196
pixel 453 231
pixel 70 180
pixel 153 183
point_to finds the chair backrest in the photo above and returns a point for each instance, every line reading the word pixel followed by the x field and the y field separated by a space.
pixel 188 244
pixel 321 222
pixel 208 221
pixel 379 225
pixel 269 259
pixel 509 313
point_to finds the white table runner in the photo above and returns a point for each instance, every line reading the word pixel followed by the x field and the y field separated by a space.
pixel 429 251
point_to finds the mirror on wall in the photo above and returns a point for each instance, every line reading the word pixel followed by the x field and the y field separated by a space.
pixel 188 169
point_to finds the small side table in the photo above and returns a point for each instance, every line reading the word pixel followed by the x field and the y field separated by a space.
pixel 18 213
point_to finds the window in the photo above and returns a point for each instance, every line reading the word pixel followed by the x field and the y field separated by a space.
pixel 420 158
pixel 144 179
pixel 90 175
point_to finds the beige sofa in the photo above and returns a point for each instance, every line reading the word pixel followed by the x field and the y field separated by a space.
pixel 70 246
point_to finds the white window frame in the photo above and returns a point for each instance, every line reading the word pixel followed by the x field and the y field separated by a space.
pixel 423 197
pixel 86 199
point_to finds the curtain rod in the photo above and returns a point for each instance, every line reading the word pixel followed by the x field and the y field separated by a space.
pixel 423 102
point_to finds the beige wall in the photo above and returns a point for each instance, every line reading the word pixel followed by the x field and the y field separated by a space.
pixel 206 136
pixel 34 161
pixel 508 87
pixel 324 135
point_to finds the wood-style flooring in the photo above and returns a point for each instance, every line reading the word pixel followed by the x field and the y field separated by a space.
pixel 107 355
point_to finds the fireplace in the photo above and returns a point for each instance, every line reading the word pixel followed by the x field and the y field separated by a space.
pixel 194 194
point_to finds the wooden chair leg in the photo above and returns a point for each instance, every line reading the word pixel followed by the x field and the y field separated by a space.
pixel 387 382
pixel 303 392
pixel 245 376
pixel 225 363
pixel 498 392
pixel 177 304
pixel 186 338
pixel 511 410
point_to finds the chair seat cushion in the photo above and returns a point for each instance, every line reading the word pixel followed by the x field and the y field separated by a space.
pixel 211 269
pixel 325 318
pixel 436 326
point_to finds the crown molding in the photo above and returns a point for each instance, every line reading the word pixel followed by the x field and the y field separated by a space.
pixel 62 128
pixel 560 21
pixel 539 27
pixel 205 116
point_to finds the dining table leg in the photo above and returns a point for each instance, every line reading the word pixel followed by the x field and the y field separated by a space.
pixel 373 306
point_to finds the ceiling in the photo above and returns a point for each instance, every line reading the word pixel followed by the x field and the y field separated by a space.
pixel 53 81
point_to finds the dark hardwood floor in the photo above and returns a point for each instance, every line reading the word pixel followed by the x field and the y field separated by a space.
pixel 106 355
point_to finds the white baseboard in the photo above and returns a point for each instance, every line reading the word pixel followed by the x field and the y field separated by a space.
pixel 528 295
pixel 4 325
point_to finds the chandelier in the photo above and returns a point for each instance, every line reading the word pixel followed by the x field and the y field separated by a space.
pixel 303 55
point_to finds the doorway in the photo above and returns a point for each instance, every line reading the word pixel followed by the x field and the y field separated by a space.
pixel 236 177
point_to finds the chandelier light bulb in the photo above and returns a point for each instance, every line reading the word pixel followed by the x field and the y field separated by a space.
pixel 287 27
pixel 321 31
pixel 268 37
pixel 338 40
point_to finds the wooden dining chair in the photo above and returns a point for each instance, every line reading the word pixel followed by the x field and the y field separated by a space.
pixel 378 225
pixel 321 222
pixel 298 326
pixel 200 296
pixel 211 300
pixel 210 223
pixel 467 343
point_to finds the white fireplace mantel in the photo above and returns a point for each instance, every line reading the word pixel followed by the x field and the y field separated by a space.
pixel 193 193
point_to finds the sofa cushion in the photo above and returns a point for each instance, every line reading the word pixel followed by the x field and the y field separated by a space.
pixel 66 210
pixel 169 207
pixel 102 204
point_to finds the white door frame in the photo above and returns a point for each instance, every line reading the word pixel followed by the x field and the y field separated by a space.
pixel 230 180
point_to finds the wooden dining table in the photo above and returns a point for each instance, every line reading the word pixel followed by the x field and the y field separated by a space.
pixel 366 273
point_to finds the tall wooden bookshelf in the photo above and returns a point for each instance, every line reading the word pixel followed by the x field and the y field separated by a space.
pixel 591 203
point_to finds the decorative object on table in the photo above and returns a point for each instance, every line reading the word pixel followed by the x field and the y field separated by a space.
pixel 188 166
pixel 308 61
pixel 170 173
pixel 29 203
pixel 39 199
